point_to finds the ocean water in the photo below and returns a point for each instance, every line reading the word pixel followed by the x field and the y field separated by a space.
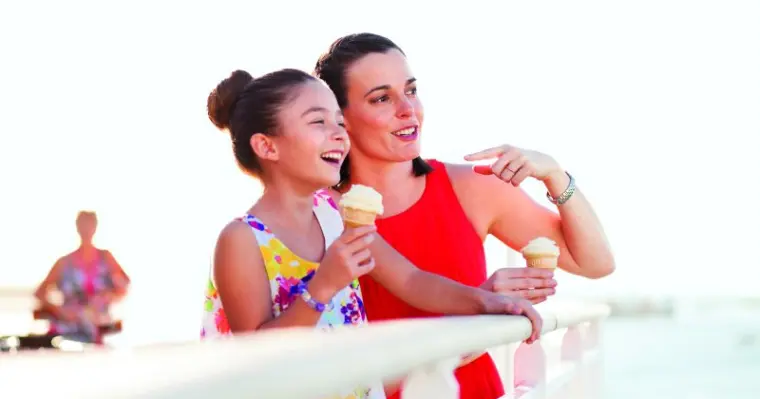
pixel 684 359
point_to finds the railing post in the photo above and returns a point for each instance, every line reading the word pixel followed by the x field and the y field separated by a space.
pixel 593 370
pixel 436 381
pixel 504 358
pixel 525 364
pixel 530 370
pixel 572 351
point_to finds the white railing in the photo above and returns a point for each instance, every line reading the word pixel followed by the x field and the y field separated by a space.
pixel 303 364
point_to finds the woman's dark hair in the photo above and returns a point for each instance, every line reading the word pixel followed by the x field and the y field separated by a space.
pixel 245 106
pixel 332 67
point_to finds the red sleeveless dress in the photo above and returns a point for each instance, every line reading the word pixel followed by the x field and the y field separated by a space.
pixel 436 236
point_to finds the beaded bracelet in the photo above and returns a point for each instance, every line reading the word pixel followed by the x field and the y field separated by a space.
pixel 300 289
pixel 565 194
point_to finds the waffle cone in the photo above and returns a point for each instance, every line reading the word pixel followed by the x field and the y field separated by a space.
pixel 353 217
pixel 542 261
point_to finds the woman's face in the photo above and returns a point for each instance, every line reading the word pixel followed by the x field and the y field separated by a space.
pixel 312 142
pixel 87 224
pixel 384 115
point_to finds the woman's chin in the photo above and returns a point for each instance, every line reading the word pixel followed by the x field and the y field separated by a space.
pixel 407 155
pixel 409 152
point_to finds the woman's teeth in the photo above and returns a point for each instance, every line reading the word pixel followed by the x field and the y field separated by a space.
pixel 405 132
pixel 332 157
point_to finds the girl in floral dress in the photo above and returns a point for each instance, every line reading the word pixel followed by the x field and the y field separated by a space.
pixel 287 131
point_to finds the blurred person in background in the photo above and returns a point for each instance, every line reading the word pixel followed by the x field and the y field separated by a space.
pixel 80 288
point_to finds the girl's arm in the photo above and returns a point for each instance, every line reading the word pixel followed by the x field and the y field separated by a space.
pixel 241 280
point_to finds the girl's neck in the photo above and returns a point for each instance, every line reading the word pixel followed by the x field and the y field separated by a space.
pixel 285 207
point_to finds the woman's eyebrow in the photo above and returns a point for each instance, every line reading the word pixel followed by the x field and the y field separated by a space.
pixel 387 87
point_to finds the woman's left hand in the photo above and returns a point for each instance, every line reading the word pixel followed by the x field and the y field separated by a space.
pixel 513 164
pixel 533 284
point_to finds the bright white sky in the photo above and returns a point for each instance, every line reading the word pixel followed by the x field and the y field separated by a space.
pixel 652 105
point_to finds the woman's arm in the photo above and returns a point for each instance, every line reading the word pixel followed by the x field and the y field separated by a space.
pixel 582 231
pixel 243 286
pixel 120 278
pixel 42 291
pixel 515 219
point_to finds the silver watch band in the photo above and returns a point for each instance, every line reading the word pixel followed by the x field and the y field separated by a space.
pixel 565 194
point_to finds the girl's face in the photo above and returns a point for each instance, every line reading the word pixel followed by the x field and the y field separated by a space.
pixel 311 143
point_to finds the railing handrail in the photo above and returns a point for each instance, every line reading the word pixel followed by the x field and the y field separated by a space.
pixel 266 362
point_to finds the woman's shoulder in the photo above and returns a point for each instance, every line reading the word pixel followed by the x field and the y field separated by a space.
pixel 454 170
pixel 69 258
pixel 464 174
pixel 478 193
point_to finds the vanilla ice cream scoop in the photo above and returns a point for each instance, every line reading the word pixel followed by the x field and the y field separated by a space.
pixel 541 252
pixel 360 205
pixel 364 198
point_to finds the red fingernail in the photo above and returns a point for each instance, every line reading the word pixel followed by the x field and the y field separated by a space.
pixel 482 169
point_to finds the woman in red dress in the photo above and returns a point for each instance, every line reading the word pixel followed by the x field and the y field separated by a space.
pixel 438 215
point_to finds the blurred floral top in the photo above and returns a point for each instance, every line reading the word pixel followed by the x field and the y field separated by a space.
pixel 285 269
pixel 83 286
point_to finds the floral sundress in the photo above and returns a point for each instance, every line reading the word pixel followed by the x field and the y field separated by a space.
pixel 285 269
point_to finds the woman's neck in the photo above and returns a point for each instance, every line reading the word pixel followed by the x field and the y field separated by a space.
pixel 395 181
pixel 86 250
pixel 382 176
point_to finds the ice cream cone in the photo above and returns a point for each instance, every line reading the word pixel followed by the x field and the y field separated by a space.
pixel 360 205
pixel 353 217
pixel 542 262
pixel 541 253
